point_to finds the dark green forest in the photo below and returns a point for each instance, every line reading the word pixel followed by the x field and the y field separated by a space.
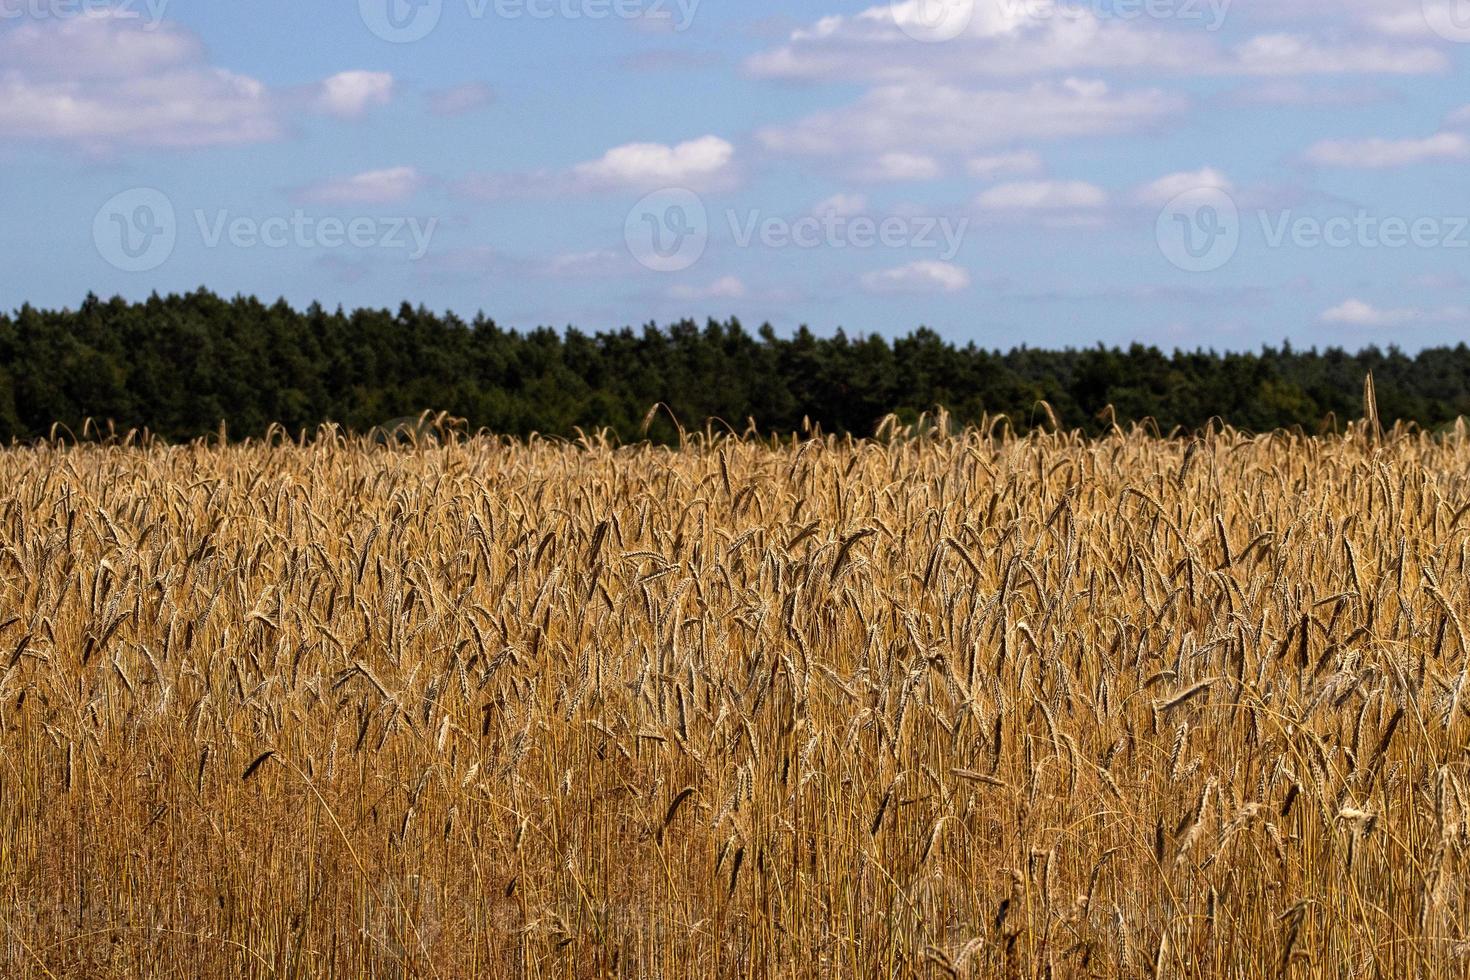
pixel 180 365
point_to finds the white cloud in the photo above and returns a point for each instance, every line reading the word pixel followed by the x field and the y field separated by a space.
pixel 1380 154
pixel 1296 54
pixel 1166 188
pixel 1020 164
pixel 101 82
pixel 1418 19
pixel 948 119
pixel 598 263
pixel 727 287
pixel 460 99
pixel 374 187
pixel 1042 195
pixel 104 81
pixel 693 163
pixel 1005 38
pixel 898 166
pixel 979 19
pixel 350 94
pixel 707 163
pixel 1021 38
pixel 918 278
pixel 1357 313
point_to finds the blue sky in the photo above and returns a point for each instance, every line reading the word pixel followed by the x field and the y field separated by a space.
pixel 1187 173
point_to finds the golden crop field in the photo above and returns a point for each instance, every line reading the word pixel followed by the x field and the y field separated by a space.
pixel 969 705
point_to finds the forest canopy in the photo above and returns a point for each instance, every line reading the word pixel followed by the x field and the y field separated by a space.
pixel 180 366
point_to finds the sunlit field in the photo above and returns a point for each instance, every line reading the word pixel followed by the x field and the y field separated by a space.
pixel 940 704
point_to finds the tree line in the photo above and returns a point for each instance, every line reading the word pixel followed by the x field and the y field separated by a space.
pixel 181 365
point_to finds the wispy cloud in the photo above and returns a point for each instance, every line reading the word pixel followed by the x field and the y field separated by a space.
pixel 918 278
pixel 459 100
pixel 1357 313
pixel 388 186
pixel 1381 154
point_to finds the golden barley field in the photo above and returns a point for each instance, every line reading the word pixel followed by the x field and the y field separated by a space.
pixel 933 704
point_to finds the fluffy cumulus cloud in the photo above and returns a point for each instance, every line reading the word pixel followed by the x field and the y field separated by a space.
pixel 918 278
pixel 351 94
pixel 388 186
pixel 1382 154
pixel 103 81
pixel 696 162
pixel 1018 72
pixel 706 163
